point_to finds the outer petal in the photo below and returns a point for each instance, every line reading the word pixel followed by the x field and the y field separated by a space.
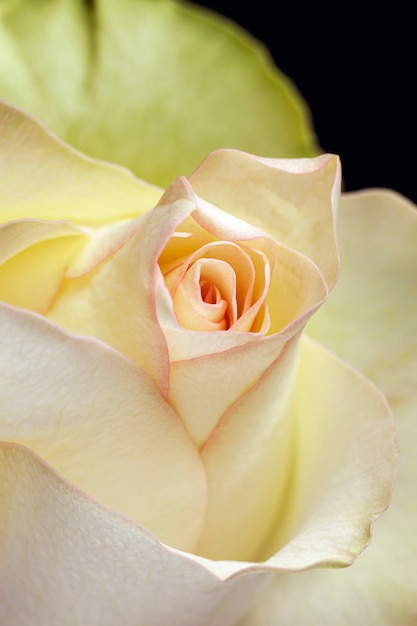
pixel 66 560
pixel 376 296
pixel 141 83
pixel 97 418
pixel 46 179
pixel 371 320
pixel 294 201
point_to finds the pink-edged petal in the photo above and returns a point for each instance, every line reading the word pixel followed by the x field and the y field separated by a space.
pixel 34 256
pixel 342 459
pixel 44 178
pixel 116 302
pixel 67 560
pixel 97 418
pixel 248 460
pixel 297 289
pixel 294 201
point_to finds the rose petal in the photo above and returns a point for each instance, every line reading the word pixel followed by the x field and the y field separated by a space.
pixel 380 587
pixel 64 559
pixel 249 452
pixel 292 200
pixel 320 507
pixel 121 87
pixel 297 290
pixel 46 179
pixel 376 296
pixel 33 258
pixel 370 320
pixel 116 303
pixel 97 418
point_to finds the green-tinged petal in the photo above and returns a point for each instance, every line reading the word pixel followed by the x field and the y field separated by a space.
pixel 294 201
pixel 97 418
pixel 43 178
pixel 154 86
pixel 66 560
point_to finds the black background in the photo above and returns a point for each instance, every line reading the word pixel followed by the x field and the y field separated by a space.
pixel 356 68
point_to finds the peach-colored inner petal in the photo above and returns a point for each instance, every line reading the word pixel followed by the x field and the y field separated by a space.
pixel 220 285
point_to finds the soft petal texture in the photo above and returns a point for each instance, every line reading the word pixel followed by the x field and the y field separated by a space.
pixel 97 419
pixel 337 431
pixel 302 289
pixel 44 178
pixel 371 321
pixel 154 86
pixel 294 201
pixel 117 302
pixel 65 560
pixel 34 256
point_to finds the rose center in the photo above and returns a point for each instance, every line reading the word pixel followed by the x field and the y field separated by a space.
pixel 220 285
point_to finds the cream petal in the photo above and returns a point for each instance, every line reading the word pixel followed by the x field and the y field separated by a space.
pixel 370 320
pixel 297 290
pixel 294 201
pixel 97 418
pixel 67 560
pixel 44 178
pixel 330 436
pixel 346 462
pixel 379 589
pixel 34 256
pixel 116 303
pixel 248 461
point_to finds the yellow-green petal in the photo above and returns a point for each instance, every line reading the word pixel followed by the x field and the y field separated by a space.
pixel 154 86
pixel 44 178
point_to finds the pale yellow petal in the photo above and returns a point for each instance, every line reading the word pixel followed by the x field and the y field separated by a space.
pixel 66 560
pixel 379 589
pixel 328 442
pixel 248 458
pixel 97 418
pixel 116 302
pixel 46 179
pixel 370 320
pixel 294 201
pixel 34 256
pixel 297 290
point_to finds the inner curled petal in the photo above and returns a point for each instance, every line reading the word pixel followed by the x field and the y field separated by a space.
pixel 206 297
pixel 220 285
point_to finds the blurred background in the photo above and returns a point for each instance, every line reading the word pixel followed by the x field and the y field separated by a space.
pixel 356 69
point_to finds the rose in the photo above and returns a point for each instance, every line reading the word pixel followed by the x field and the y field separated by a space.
pixel 104 378
pixel 256 111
